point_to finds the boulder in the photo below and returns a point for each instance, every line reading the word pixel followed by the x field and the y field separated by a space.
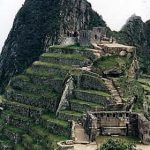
pixel 123 53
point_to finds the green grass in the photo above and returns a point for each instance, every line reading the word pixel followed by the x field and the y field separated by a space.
pixel 145 76
pixel 65 56
pixel 45 133
pixel 19 147
pixel 110 62
pixel 73 113
pixel 100 93
pixel 103 139
pixel 50 65
pixel 146 88
pixel 71 47
pixel 22 77
pixel 90 104
pixel 144 81
pixel 23 106
pixel 32 95
pixel 52 118
pixel 14 129
pixel 42 73
pixel 33 88
pixel 27 139
pixel 15 116
pixel 4 141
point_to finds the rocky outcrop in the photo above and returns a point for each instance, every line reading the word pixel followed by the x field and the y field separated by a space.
pixel 38 24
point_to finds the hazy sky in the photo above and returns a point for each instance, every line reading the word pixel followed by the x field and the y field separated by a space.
pixel 114 12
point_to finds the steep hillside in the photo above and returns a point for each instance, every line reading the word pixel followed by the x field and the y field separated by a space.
pixel 36 20
pixel 136 33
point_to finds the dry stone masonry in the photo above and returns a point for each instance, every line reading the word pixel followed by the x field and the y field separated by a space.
pixel 63 93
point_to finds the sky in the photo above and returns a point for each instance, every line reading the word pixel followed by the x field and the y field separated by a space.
pixel 114 12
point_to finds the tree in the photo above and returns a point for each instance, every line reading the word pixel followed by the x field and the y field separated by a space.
pixel 117 144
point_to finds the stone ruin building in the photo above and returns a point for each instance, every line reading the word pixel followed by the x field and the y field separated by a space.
pixel 63 93
pixel 123 123
pixel 96 35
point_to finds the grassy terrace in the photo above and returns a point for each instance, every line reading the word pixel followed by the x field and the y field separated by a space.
pixel 14 130
pixel 64 56
pixel 4 141
pixel 30 87
pixel 145 76
pixel 42 73
pixel 21 106
pixel 50 65
pixel 22 77
pixel 73 113
pixel 45 133
pixel 146 88
pixel 109 62
pixel 37 96
pixel 52 118
pixel 102 139
pixel 92 105
pixel 145 81
pixel 71 47
pixel 94 92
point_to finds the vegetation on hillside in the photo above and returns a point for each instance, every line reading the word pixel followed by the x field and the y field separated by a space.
pixel 136 33
pixel 111 62
pixel 116 144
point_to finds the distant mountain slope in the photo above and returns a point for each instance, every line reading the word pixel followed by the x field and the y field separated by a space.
pixel 35 20
pixel 137 33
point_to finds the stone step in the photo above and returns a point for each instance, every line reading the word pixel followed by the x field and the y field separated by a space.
pixel 48 102
pixel 69 115
pixel 66 59
pixel 45 68
pixel 84 106
pixel 93 96
pixel 91 82
pixel 17 120
pixel 55 125
pixel 22 109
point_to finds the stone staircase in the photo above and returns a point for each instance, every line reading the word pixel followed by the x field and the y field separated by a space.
pixel 89 94
pixel 113 90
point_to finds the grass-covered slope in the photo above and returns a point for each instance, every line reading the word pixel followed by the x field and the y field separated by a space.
pixel 28 120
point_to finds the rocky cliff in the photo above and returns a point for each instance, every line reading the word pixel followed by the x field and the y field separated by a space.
pixel 37 20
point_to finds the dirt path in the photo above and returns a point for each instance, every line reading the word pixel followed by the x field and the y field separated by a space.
pixel 80 135
pixel 91 146
pixel 143 147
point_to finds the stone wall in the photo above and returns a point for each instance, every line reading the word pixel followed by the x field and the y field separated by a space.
pixel 144 129
pixel 90 97
pixel 85 38
pixel 91 82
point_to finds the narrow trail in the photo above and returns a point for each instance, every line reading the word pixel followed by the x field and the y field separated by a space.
pixel 80 136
